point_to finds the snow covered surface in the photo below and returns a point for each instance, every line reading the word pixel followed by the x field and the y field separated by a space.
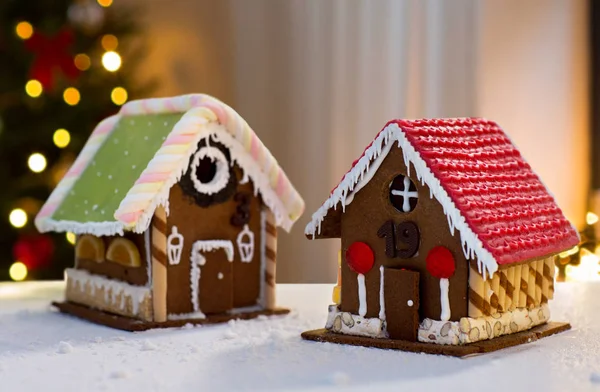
pixel 41 350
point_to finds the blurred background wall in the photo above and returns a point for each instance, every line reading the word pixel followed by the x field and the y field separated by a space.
pixel 318 79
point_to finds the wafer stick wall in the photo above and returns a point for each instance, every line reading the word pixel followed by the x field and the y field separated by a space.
pixel 522 286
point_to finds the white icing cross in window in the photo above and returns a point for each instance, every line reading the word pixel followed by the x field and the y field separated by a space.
pixel 406 195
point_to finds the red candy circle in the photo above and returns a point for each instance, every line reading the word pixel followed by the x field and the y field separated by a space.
pixel 440 262
pixel 360 257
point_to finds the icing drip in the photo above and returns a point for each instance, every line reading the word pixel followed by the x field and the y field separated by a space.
pixel 362 295
pixel 198 260
pixel 444 300
pixel 381 295
pixel 366 176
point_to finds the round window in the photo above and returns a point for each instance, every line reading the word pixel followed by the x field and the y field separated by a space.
pixel 403 194
pixel 209 170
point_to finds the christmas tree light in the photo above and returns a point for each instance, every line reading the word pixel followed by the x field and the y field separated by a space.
pixel 71 96
pixel 111 61
pixel 33 88
pixel 18 218
pixel 24 30
pixel 18 271
pixel 109 42
pixel 82 62
pixel 118 96
pixel 61 138
pixel 37 162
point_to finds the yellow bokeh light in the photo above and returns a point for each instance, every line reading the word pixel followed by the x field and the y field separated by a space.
pixel 71 238
pixel 591 218
pixel 105 3
pixel 109 42
pixel 118 95
pixel 33 88
pixel 61 138
pixel 37 162
pixel 17 271
pixel 71 96
pixel 24 30
pixel 17 218
pixel 82 62
pixel 111 61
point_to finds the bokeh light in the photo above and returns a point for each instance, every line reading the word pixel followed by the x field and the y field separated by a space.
pixel 61 138
pixel 118 95
pixel 109 42
pixel 111 61
pixel 37 162
pixel 105 3
pixel 71 237
pixel 17 218
pixel 24 30
pixel 82 61
pixel 33 88
pixel 17 271
pixel 71 96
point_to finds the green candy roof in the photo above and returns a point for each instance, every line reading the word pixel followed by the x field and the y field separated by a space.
pixel 115 168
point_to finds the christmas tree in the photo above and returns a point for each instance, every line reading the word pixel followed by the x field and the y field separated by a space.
pixel 64 66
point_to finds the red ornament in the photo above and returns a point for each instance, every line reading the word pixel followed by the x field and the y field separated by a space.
pixel 34 251
pixel 360 257
pixel 440 262
pixel 51 57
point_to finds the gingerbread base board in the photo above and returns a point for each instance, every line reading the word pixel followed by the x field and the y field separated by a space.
pixel 134 325
pixel 482 347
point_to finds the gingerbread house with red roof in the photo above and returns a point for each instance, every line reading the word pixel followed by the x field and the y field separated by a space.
pixel 448 242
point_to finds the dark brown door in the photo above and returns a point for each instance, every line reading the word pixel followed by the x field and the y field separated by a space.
pixel 401 293
pixel 215 289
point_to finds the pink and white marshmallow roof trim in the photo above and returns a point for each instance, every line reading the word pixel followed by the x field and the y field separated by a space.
pixel 203 117
pixel 503 212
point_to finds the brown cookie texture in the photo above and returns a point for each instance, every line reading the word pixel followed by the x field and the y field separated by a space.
pixel 368 212
pixel 223 284
pixel 481 347
pixel 135 325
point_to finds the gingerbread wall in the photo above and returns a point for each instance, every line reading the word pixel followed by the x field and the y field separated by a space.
pixel 239 285
pixel 364 216
pixel 137 276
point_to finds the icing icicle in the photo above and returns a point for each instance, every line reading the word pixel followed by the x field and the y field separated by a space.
pixel 381 295
pixel 444 299
pixel 362 295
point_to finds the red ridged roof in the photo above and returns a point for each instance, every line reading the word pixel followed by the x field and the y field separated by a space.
pixel 501 198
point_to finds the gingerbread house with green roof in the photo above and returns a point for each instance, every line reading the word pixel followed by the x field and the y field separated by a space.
pixel 175 203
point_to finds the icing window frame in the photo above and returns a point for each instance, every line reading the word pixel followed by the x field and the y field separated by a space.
pixel 220 179
pixel 402 200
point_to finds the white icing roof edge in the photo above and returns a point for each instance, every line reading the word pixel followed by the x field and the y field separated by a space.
pixel 471 245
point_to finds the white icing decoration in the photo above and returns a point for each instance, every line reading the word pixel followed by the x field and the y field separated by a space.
pixel 362 295
pixel 406 194
pixel 410 303
pixel 365 177
pixel 112 288
pixel 472 246
pixel 221 178
pixel 174 246
pixel 197 260
pixel 381 295
pixel 245 243
pixel 186 316
pixel 444 300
